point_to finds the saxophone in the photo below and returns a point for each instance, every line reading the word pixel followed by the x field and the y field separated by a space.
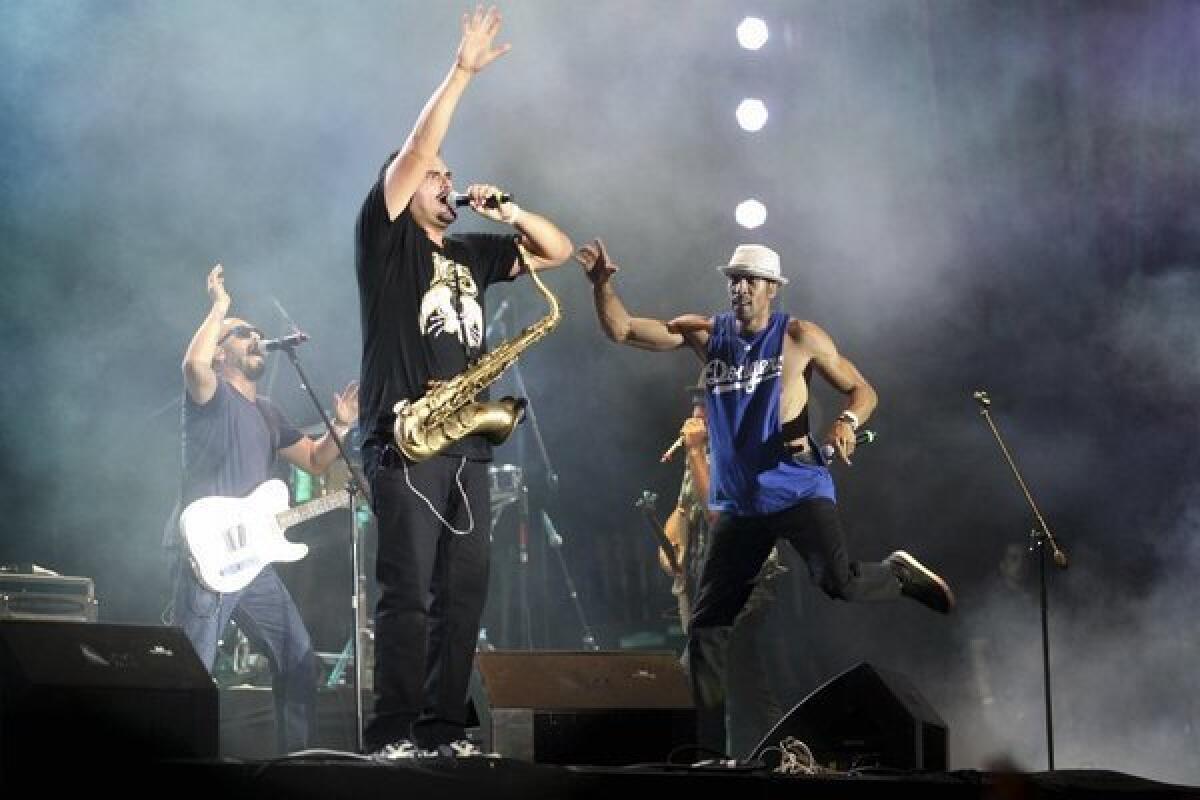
pixel 448 411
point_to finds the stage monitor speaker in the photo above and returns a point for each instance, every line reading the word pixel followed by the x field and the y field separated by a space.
pixel 72 692
pixel 865 717
pixel 597 708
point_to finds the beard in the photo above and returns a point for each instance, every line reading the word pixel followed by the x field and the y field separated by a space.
pixel 446 215
pixel 253 367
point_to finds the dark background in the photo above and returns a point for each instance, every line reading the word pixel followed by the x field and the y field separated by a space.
pixel 966 195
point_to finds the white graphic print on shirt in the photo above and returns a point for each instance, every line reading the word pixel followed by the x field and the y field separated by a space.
pixel 721 377
pixel 437 305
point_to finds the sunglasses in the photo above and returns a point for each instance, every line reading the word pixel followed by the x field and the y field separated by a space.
pixel 241 332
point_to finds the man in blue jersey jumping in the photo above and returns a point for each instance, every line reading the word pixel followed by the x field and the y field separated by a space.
pixel 769 478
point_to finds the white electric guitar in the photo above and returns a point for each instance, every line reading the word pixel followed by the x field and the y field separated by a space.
pixel 230 539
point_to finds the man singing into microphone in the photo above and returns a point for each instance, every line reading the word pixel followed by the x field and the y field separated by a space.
pixel 420 294
pixel 231 436
pixel 769 479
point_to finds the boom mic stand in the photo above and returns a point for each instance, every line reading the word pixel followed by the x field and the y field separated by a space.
pixel 354 485
pixel 1039 539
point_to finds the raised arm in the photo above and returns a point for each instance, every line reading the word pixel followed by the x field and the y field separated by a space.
pixel 622 327
pixel 198 374
pixel 475 51
pixel 695 439
pixel 843 376
pixel 315 456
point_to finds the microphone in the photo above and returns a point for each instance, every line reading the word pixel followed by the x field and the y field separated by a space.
pixel 501 310
pixel 864 436
pixel 551 534
pixel 459 200
pixel 283 342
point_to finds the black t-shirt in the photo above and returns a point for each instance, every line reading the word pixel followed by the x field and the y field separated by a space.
pixel 229 444
pixel 411 331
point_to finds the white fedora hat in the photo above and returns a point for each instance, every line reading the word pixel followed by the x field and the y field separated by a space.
pixel 755 260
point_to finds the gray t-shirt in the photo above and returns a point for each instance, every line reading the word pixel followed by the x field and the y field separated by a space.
pixel 229 445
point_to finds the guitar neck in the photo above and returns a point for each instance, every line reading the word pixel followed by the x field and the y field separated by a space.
pixel 664 542
pixel 313 508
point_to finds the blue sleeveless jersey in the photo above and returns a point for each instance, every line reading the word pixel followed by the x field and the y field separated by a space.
pixel 752 472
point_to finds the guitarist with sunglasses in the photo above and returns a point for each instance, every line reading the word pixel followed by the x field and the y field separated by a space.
pixel 231 438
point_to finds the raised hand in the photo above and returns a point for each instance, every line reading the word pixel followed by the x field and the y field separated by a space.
pixel 216 287
pixel 345 404
pixel 598 267
pixel 476 50
pixel 694 433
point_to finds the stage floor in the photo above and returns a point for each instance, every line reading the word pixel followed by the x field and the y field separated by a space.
pixel 334 776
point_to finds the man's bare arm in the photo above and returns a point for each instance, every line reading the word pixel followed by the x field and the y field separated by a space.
pixel 545 245
pixel 475 51
pixel 844 376
pixel 675 529
pixel 198 374
pixel 542 244
pixel 315 456
pixel 621 326
pixel 695 436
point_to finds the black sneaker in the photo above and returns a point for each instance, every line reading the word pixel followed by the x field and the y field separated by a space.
pixel 920 583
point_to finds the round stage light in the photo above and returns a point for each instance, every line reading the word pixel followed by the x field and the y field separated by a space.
pixel 750 214
pixel 752 114
pixel 752 33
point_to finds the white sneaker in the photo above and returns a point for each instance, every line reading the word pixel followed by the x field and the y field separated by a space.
pixel 401 751
pixel 463 748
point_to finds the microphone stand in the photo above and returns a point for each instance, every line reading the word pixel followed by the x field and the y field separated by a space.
pixel 523 576
pixel 555 541
pixel 1040 539
pixel 531 415
pixel 551 483
pixel 354 485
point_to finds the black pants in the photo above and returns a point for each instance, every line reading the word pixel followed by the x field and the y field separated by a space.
pixel 433 585
pixel 736 552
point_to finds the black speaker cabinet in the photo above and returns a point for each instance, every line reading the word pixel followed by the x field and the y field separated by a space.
pixel 597 708
pixel 865 717
pixel 74 692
